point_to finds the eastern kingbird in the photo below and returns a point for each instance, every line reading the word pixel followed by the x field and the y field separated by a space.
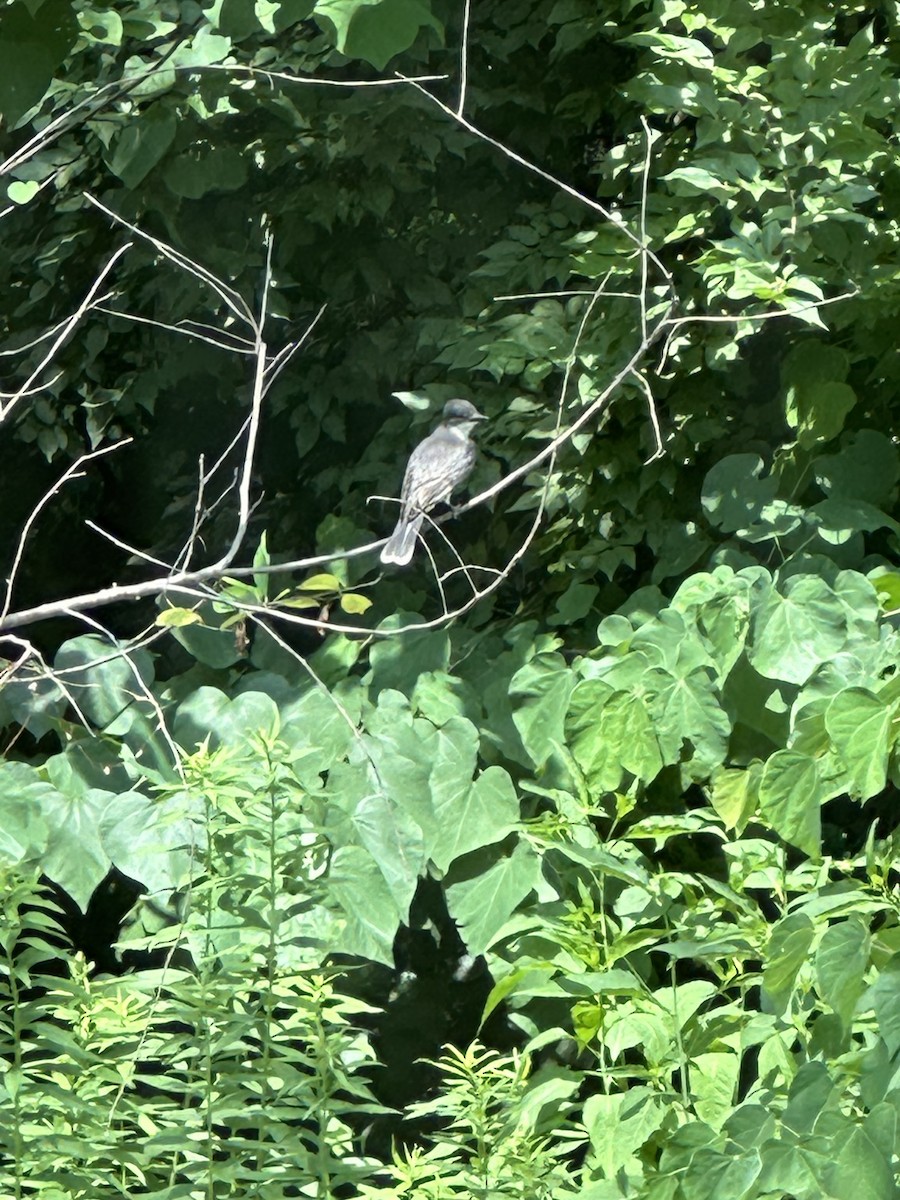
pixel 436 468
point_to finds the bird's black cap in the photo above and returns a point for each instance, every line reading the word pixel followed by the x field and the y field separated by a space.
pixel 462 410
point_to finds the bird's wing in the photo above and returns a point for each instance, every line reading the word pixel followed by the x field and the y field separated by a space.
pixel 436 467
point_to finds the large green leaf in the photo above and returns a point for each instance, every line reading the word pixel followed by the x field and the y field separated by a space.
pixel 842 959
pixel 794 631
pixel 376 30
pixel 493 886
pixel 620 1124
pixel 34 41
pixel 540 694
pixel 611 733
pixel 24 832
pixel 106 681
pixel 734 492
pixel 786 955
pixel 863 727
pixel 208 715
pixel 361 892
pixel 159 843
pixel 142 144
pixel 790 795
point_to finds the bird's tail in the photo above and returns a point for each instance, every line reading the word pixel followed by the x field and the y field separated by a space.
pixel 402 542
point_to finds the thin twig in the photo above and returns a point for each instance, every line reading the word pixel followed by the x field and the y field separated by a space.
pixel 566 294
pixel 232 299
pixel 66 329
pixel 645 181
pixel 17 351
pixel 464 58
pixel 126 546
pixel 608 215
pixel 143 689
pixel 772 314
pixel 284 77
pixel 72 472
pixel 279 361
pixel 37 390
pixel 654 419
pixel 240 345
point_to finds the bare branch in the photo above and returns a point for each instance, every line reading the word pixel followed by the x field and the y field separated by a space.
pixel 565 295
pixel 35 391
pixel 654 419
pixel 464 58
pixel 772 314
pixel 279 361
pixel 65 330
pixel 72 472
pixel 126 546
pixel 645 181
pixel 238 346
pixel 232 299
pixel 614 218
pixel 285 77
pixel 143 691
pixel 48 333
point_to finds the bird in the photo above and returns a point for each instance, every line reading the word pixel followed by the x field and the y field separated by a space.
pixel 440 464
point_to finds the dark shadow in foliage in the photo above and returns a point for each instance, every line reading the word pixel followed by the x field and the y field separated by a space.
pixel 434 996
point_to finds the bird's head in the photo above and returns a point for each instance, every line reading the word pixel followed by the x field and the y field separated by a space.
pixel 457 412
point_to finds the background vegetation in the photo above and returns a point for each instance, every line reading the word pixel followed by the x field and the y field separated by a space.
pixel 567 874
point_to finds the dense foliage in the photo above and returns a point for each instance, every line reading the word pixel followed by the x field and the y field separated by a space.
pixel 347 882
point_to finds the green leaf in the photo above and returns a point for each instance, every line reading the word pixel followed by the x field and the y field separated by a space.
pixel 320 584
pixel 376 30
pixel 177 618
pixel 885 998
pixel 107 681
pixel 200 170
pixel 355 604
pixel 734 794
pixel 371 915
pixel 786 955
pixel 862 1170
pixel 21 193
pixel 887 586
pixel 790 797
pixel 202 50
pixel 154 841
pixel 540 694
pixel 207 713
pixel 714 1082
pixel 610 733
pixel 842 959
pixel 103 27
pixel 142 144
pixel 620 1124
pixel 206 639
pixel 494 885
pixel 863 729
pixel 398 661
pixel 36 702
pixel 818 412
pixel 688 710
pixel 479 814
pixel 32 47
pixel 76 858
pixel 866 468
pixel 24 833
pixel 734 494
pixel 791 634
